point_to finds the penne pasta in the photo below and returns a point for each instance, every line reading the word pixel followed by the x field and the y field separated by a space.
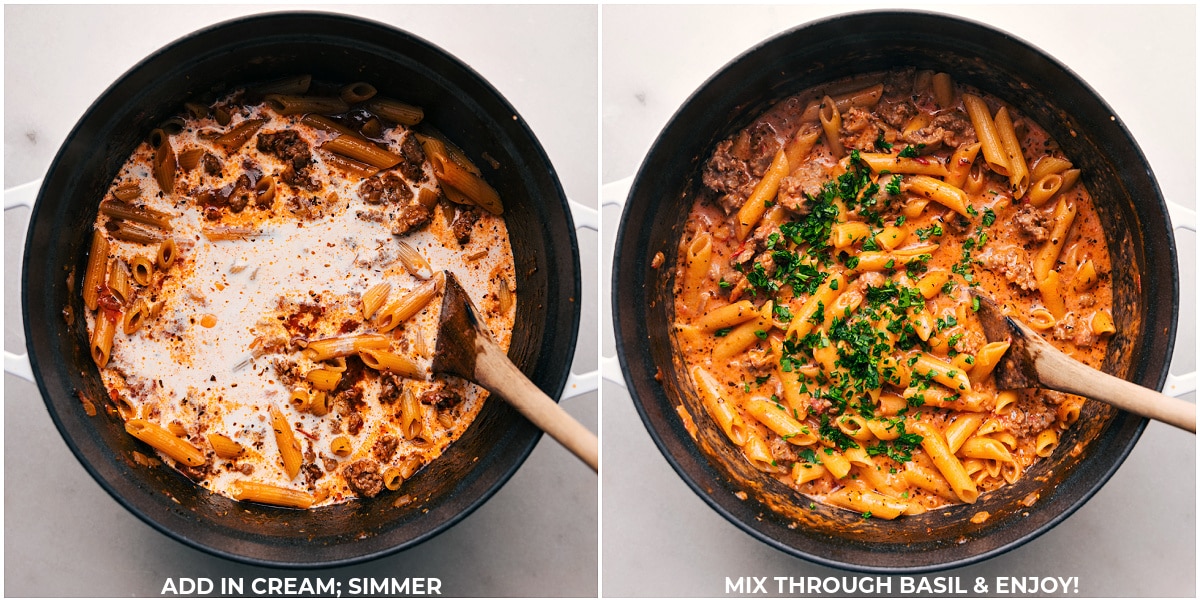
pixel 831 123
pixel 251 491
pixel 384 360
pixel 888 163
pixel 164 441
pixel 994 153
pixel 322 350
pixel 396 111
pixel 224 447
pixel 288 104
pixel 164 161
pixel 750 212
pixel 471 185
pixel 240 134
pixel 96 271
pixel 410 304
pixel 285 441
pixel 354 93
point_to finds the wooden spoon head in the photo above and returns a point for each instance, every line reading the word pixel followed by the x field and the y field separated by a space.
pixel 459 327
pixel 1017 369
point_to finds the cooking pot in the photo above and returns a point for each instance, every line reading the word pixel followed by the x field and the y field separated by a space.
pixel 459 103
pixel 1129 205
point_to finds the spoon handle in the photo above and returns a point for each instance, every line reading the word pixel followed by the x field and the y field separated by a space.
pixel 494 371
pixel 1058 371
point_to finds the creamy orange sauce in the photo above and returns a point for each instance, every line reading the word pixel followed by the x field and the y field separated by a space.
pixel 228 321
pixel 853 384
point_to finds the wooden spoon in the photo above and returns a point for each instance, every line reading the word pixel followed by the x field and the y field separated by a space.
pixel 1031 362
pixel 466 349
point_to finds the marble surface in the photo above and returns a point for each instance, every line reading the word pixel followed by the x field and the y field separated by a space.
pixel 1137 536
pixel 64 536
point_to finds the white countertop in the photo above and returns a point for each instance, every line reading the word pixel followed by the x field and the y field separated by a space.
pixel 1137 536
pixel 64 536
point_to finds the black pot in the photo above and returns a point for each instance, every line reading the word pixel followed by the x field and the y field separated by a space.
pixel 1130 207
pixel 334 48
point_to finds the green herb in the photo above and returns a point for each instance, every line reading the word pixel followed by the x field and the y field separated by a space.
pixel 782 312
pixel 989 217
pixel 924 233
pixel 893 186
pixel 870 244
pixel 882 144
pixel 722 332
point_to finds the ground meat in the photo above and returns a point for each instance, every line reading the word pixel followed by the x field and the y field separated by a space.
pixel 926 138
pixel 331 464
pixel 390 386
pixel 897 113
pixel 1007 262
pixel 746 254
pixel 1076 330
pixel 783 451
pixel 768 262
pixel 306 206
pixel 1032 223
pixel 286 370
pixel 1034 411
pixel 971 342
pixel 412 217
pixel 764 144
pixel 363 477
pixel 289 147
pixel 898 84
pixel 298 179
pixel 371 216
pixel 863 141
pixel 312 473
pixel 413 160
pixel 385 448
pixel 464 222
pixel 859 130
pixel 804 181
pixel 855 120
pixel 1086 300
pixel 211 165
pixel 385 188
pixel 241 194
pixel 234 196
pixel 441 398
pixel 729 177
pixel 734 279
pixel 354 423
pixel 955 127
pixel 246 468
pixel 760 362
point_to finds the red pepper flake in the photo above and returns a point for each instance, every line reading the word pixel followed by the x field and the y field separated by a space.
pixel 306 434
